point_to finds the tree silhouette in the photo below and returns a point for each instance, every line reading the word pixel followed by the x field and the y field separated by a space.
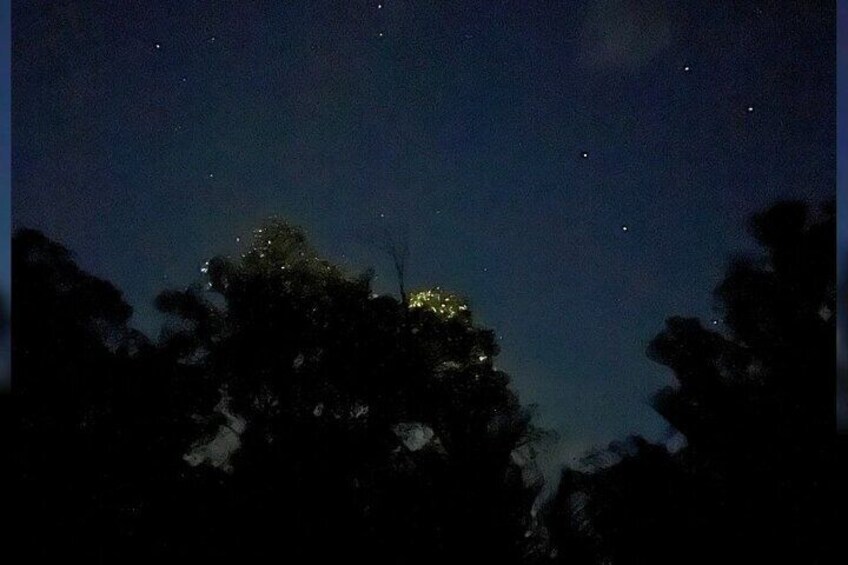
pixel 100 429
pixel 634 505
pixel 285 411
pixel 353 419
pixel 755 403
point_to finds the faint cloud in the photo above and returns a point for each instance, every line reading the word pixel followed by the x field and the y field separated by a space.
pixel 623 34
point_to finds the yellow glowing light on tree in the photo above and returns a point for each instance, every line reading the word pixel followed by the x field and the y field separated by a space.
pixel 438 301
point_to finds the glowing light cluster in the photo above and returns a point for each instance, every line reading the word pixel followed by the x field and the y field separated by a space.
pixel 445 304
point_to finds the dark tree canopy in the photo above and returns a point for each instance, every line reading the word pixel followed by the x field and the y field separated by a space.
pixel 754 400
pixel 100 427
pixel 285 410
pixel 368 427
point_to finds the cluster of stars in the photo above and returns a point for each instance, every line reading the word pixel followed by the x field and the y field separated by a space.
pixel 380 34
pixel 183 79
pixel 584 155
pixel 686 69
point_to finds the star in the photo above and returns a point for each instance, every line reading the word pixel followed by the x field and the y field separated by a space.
pixel 211 175
pixel 624 228
pixel 379 6
pixel 585 154
pixel 380 34
pixel 686 69
pixel 158 46
pixel 750 109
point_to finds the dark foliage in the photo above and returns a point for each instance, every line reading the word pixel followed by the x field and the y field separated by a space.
pixel 285 412
pixel 358 426
pixel 99 425
pixel 755 482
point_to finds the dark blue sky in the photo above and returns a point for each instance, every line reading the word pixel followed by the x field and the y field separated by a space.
pixel 148 135
pixel 842 207
pixel 842 131
pixel 5 187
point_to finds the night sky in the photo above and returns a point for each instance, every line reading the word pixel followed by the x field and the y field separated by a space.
pixel 5 189
pixel 579 170
pixel 842 212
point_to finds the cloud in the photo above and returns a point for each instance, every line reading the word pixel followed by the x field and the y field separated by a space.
pixel 623 34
